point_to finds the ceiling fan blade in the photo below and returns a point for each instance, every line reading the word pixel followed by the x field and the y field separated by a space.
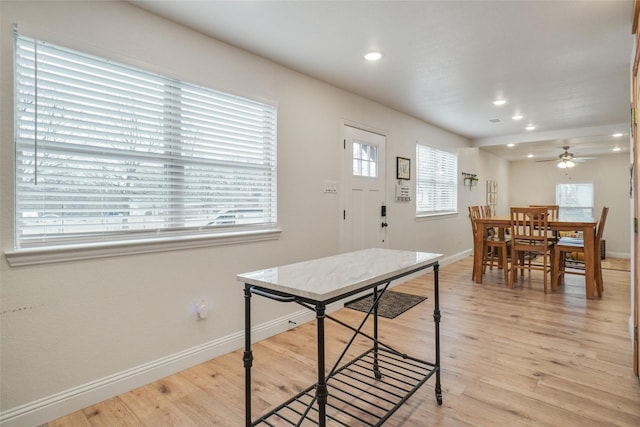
pixel 566 156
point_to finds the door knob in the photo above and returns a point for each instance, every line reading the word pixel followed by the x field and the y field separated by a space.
pixel 384 224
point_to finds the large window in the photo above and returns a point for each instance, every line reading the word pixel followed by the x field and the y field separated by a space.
pixel 437 179
pixel 575 201
pixel 105 152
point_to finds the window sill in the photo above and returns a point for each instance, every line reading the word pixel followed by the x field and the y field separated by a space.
pixel 426 217
pixel 26 257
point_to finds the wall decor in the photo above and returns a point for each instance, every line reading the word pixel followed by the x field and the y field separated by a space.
pixel 492 196
pixel 469 180
pixel 403 168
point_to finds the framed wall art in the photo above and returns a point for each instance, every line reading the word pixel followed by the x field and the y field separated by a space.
pixel 403 168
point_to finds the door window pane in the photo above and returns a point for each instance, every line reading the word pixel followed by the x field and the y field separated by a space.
pixel 365 160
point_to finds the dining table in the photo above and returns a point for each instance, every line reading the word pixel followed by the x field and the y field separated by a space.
pixel 587 229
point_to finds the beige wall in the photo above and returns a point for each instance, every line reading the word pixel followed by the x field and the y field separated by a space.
pixel 74 333
pixel 534 183
pixel 496 170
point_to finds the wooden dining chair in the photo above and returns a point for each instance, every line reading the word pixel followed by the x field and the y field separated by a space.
pixel 572 245
pixel 492 246
pixel 553 211
pixel 532 247
pixel 486 211
pixel 473 214
pixel 553 214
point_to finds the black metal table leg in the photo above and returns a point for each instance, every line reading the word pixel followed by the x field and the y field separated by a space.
pixel 247 356
pixel 321 391
pixel 436 319
pixel 376 366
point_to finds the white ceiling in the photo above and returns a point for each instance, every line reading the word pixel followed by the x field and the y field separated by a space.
pixel 564 65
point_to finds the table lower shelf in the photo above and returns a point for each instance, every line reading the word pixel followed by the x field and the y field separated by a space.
pixel 359 394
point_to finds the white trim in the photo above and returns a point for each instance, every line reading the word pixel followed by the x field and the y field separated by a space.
pixel 24 257
pixel 626 255
pixel 456 257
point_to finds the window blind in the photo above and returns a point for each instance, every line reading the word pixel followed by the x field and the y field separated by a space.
pixel 105 151
pixel 575 201
pixel 436 186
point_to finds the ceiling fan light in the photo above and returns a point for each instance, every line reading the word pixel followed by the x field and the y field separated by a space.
pixel 565 164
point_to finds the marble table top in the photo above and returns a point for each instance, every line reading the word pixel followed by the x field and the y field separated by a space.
pixel 325 278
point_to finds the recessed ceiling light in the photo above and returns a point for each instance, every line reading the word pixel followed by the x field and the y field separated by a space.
pixel 511 145
pixel 373 56
pixel 530 127
pixel 517 117
pixel 529 155
pixel 499 102
pixel 617 135
pixel 616 148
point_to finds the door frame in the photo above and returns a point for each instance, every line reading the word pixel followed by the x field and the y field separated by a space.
pixel 635 197
pixel 345 171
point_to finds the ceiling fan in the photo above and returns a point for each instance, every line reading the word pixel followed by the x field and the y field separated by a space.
pixel 567 159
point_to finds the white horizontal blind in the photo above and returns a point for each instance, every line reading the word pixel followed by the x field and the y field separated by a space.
pixel 437 179
pixel 104 152
pixel 575 201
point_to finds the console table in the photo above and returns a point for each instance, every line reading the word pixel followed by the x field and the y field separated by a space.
pixel 369 389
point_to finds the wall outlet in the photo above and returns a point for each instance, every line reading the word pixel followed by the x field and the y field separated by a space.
pixel 202 310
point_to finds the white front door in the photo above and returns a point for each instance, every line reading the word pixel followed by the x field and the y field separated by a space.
pixel 364 222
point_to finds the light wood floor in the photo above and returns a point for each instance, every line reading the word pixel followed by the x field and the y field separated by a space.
pixel 510 357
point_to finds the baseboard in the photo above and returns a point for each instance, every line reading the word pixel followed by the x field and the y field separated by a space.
pixel 57 405
pixel 456 257
pixel 626 255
